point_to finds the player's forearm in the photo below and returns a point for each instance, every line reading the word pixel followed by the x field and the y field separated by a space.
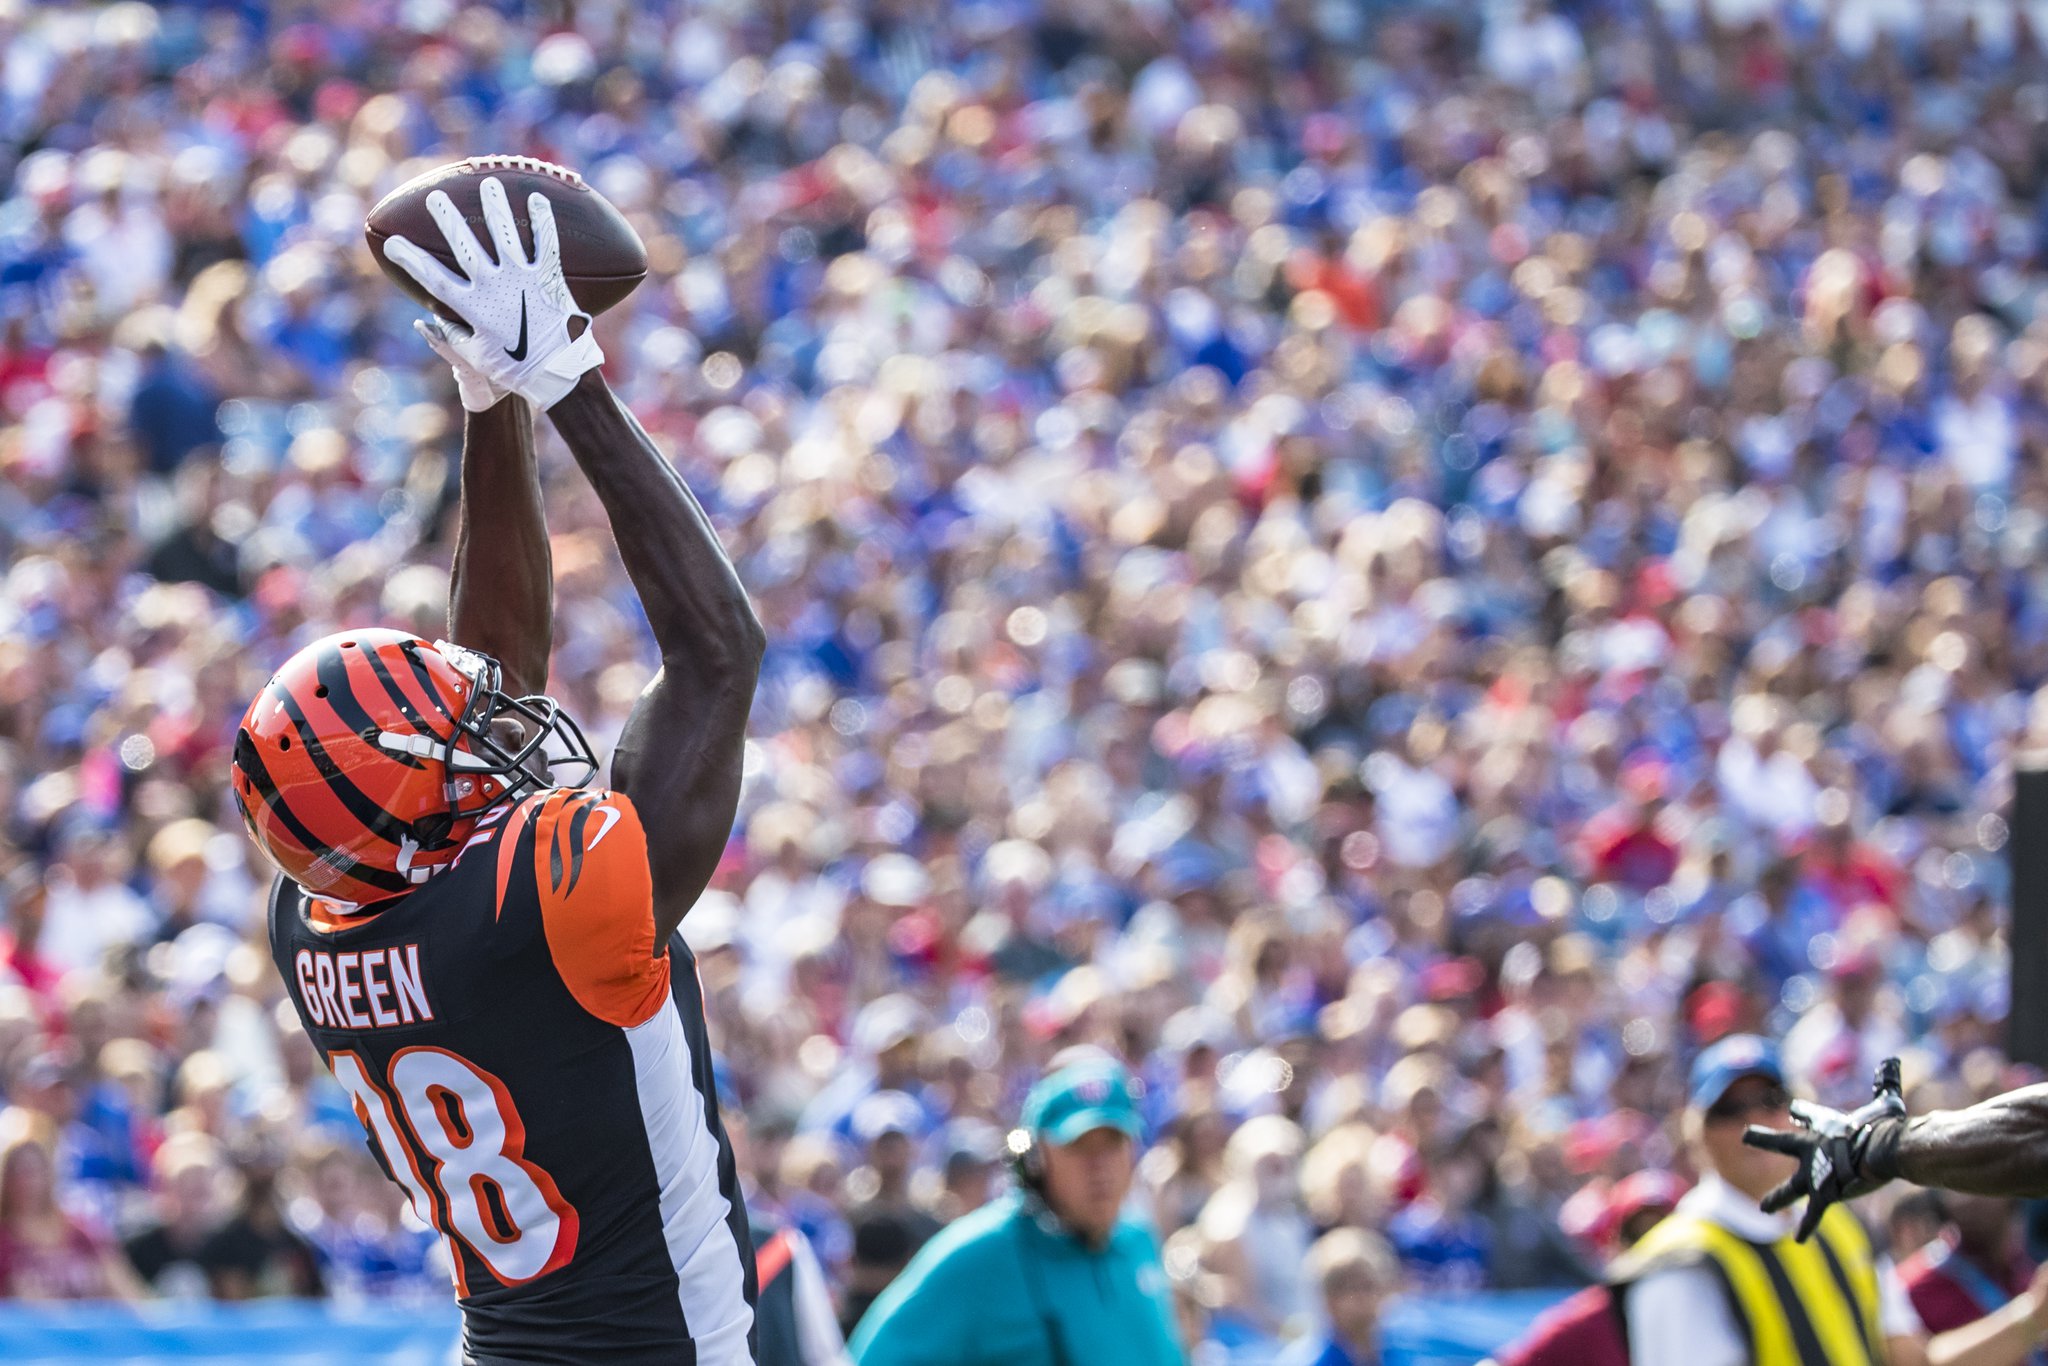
pixel 697 607
pixel 1999 1147
pixel 501 592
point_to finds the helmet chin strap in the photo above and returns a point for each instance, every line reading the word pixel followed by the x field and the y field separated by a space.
pixel 427 747
pixel 407 848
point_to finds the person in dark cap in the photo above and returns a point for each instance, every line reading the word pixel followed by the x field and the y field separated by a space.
pixel 1052 1274
pixel 886 1125
pixel 1723 1283
pixel 973 1153
pixel 1712 1284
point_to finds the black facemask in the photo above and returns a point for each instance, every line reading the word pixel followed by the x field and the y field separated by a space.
pixel 521 771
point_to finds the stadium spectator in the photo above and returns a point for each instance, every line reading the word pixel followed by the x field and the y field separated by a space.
pixel 1353 1273
pixel 368 1244
pixel 172 1253
pixel 883 1125
pixel 1916 1219
pixel 45 1254
pixel 1975 1271
pixel 969 1170
pixel 255 1253
pixel 1258 1227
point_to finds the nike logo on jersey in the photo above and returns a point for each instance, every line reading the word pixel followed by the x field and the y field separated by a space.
pixel 519 352
pixel 611 818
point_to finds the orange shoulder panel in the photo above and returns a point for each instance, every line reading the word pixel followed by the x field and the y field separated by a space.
pixel 597 904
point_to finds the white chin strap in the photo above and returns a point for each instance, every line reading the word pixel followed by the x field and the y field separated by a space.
pixel 426 747
pixel 407 847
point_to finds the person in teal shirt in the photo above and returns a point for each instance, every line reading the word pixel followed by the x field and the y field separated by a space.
pixel 1051 1274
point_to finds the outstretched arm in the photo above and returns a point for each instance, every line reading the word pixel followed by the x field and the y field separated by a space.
pixel 679 755
pixel 501 593
pixel 1998 1147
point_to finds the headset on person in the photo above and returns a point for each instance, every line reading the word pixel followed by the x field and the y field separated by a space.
pixel 1027 1167
pixel 1027 1163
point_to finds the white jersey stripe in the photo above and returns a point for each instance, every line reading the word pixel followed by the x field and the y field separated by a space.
pixel 693 1208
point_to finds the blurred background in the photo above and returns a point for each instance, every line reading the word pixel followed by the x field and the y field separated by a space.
pixel 1404 567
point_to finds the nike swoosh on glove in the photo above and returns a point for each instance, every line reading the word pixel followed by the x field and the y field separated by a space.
pixel 524 332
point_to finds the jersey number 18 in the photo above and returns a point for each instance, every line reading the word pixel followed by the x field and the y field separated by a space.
pixel 455 1142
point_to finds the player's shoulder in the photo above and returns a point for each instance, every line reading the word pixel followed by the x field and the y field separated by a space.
pixel 564 831
pixel 566 801
pixel 597 902
pixel 574 825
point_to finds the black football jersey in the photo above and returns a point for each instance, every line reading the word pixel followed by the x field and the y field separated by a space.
pixel 538 1079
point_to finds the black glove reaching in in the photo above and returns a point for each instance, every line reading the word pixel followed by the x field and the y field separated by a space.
pixel 1840 1156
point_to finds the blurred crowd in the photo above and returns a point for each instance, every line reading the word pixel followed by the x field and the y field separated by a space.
pixel 1402 567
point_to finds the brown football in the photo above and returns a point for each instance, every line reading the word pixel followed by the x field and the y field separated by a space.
pixel 603 259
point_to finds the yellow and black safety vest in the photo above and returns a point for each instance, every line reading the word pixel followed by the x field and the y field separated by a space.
pixel 1799 1304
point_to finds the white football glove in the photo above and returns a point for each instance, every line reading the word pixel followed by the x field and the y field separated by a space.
pixel 519 312
pixel 472 385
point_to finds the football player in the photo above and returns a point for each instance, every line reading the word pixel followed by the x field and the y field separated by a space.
pixel 488 961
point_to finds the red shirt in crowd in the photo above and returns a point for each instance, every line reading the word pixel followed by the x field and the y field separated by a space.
pixel 1626 848
pixel 72 1268
pixel 1583 1331
pixel 1950 1290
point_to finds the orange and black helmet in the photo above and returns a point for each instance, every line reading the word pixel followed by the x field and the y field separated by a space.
pixel 363 764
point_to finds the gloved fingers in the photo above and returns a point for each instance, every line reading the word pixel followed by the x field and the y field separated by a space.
pixel 1777 1141
pixel 1820 1118
pixel 447 329
pixel 498 217
pixel 1809 1221
pixel 435 335
pixel 1786 1192
pixel 456 344
pixel 439 281
pixel 469 253
pixel 547 245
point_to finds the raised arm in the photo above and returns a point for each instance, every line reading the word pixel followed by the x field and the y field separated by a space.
pixel 501 597
pixel 679 755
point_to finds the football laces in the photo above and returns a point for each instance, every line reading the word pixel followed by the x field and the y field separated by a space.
pixel 533 165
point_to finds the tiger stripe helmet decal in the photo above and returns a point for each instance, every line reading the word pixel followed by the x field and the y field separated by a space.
pixel 364 763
